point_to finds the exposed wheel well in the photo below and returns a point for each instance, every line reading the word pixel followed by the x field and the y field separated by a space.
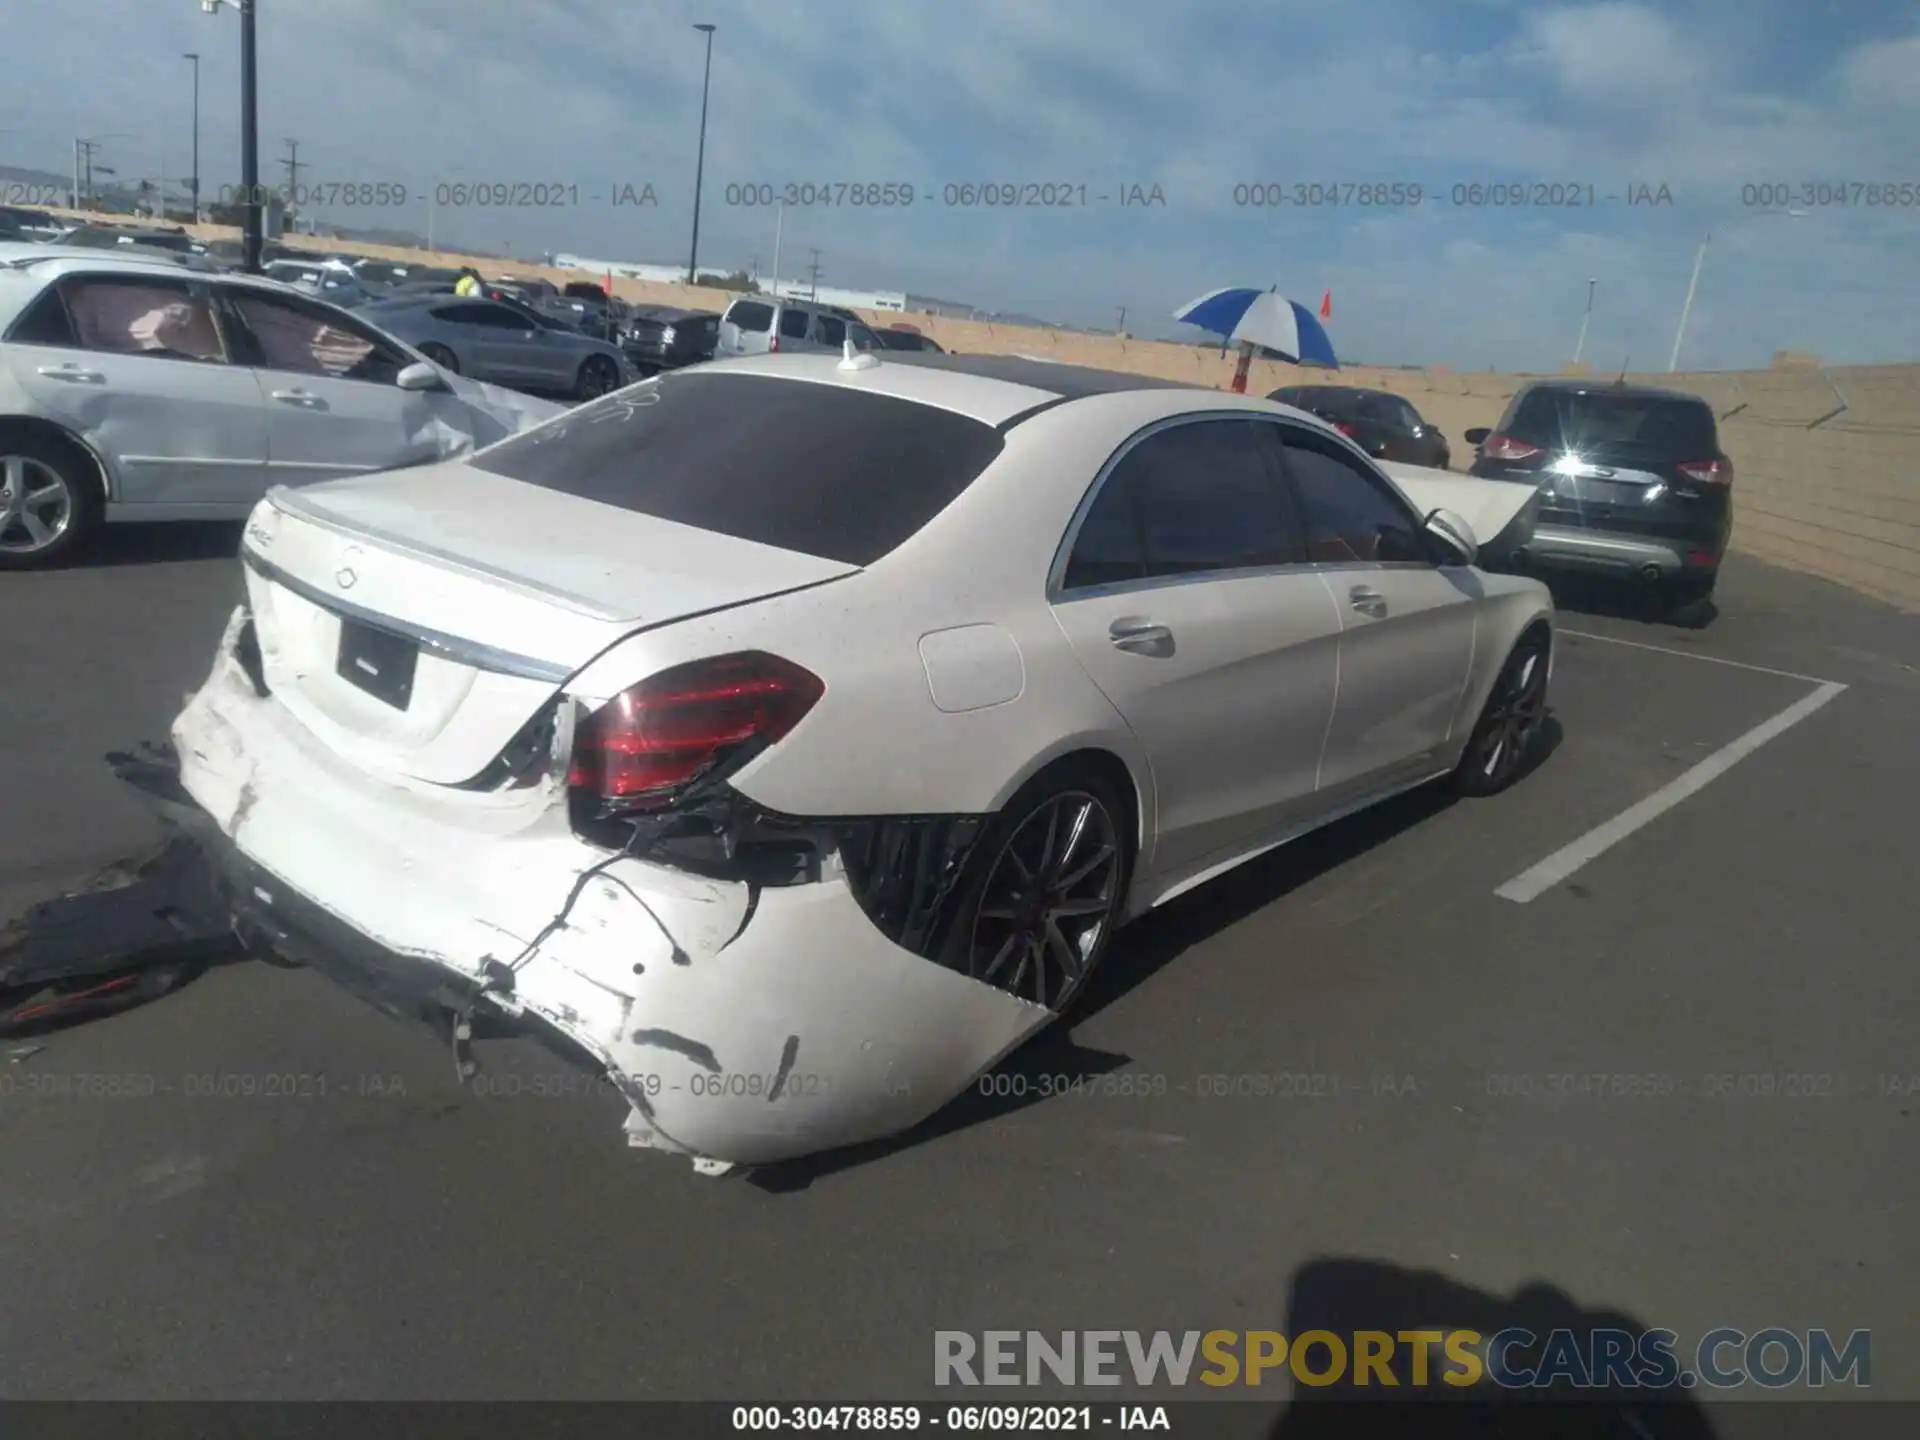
pixel 1111 768
pixel 46 431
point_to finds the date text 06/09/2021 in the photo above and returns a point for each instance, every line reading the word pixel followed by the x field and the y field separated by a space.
pixel 951 1419
pixel 1061 194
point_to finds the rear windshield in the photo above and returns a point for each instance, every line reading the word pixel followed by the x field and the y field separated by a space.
pixel 1676 428
pixel 813 468
pixel 751 315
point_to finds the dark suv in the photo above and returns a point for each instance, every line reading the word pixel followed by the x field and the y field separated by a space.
pixel 1633 482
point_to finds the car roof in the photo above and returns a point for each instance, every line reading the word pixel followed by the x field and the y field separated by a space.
pixel 1604 387
pixel 1001 390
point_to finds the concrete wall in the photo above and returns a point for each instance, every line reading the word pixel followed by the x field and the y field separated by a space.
pixel 1828 490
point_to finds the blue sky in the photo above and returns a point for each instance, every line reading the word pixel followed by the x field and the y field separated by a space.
pixel 1705 98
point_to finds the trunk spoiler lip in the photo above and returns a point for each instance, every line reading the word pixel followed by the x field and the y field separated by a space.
pixel 290 502
pixel 449 647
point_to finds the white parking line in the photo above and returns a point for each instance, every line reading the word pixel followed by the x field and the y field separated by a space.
pixel 1534 882
pixel 1694 655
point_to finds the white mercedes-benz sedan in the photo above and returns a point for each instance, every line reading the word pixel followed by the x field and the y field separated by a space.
pixel 793 733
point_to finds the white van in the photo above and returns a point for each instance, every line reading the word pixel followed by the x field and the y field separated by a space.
pixel 779 327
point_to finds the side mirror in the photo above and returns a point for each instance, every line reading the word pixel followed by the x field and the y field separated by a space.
pixel 1455 533
pixel 420 376
pixel 1478 435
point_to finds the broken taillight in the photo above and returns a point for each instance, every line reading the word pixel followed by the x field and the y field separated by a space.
pixel 1505 447
pixel 639 751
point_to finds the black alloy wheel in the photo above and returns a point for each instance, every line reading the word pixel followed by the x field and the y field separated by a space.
pixel 1511 722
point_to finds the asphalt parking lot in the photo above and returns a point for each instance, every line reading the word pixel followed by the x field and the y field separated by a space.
pixel 393 1237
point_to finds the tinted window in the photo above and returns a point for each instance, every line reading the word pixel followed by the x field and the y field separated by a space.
pixel 1208 501
pixel 1108 549
pixel 814 468
pixel 44 322
pixel 1201 497
pixel 308 340
pixel 159 318
pixel 832 331
pixel 500 317
pixel 1347 514
pixel 1576 420
pixel 751 315
pixel 460 314
pixel 793 324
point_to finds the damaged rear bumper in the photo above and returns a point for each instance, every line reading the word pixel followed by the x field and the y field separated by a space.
pixel 744 1024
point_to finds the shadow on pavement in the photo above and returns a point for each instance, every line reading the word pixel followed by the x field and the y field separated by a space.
pixel 1625 600
pixel 158 543
pixel 1343 1295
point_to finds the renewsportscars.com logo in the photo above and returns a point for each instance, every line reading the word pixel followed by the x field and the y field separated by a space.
pixel 1513 1359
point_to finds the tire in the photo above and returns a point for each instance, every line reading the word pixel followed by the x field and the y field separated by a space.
pixel 441 356
pixel 1001 928
pixel 598 376
pixel 52 499
pixel 1509 725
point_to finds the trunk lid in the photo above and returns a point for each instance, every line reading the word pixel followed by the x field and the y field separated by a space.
pixel 418 621
pixel 1493 507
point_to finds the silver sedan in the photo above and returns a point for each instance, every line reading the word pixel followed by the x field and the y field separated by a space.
pixel 504 344
pixel 136 388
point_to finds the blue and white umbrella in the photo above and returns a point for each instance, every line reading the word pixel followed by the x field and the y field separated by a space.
pixel 1260 317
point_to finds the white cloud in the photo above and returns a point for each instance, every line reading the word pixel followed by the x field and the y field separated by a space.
pixel 1886 74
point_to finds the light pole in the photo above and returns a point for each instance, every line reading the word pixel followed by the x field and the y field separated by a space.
pixel 700 164
pixel 1693 284
pixel 251 237
pixel 1580 345
pixel 779 220
pixel 194 184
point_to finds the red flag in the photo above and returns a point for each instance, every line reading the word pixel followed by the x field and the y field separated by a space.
pixel 1326 306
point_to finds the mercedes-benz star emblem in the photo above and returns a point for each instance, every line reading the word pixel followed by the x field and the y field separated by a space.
pixel 344 578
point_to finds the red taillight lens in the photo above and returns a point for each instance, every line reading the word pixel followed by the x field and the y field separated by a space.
pixel 640 749
pixel 773 343
pixel 1505 447
pixel 1344 428
pixel 1708 472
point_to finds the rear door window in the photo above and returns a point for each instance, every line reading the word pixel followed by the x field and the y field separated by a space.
pixel 832 331
pixel 751 316
pixel 794 323
pixel 1191 499
pixel 127 315
pixel 815 469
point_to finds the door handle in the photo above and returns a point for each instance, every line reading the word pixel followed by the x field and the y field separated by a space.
pixel 296 397
pixel 73 373
pixel 1368 601
pixel 1133 632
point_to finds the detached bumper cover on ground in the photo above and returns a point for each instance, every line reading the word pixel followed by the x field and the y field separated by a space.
pixel 745 1024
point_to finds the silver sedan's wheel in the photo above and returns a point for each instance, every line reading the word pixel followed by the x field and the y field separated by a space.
pixel 41 507
pixel 1049 900
pixel 1510 725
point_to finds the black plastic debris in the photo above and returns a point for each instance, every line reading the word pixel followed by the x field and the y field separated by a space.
pixel 140 930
